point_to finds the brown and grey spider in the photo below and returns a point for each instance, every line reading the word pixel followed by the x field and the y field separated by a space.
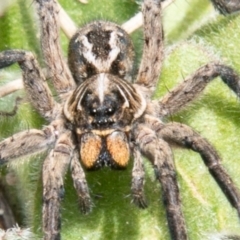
pixel 102 118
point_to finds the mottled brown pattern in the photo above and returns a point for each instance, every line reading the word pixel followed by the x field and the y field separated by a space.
pixel 101 117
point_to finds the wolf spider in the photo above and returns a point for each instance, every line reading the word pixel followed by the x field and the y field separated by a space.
pixel 102 118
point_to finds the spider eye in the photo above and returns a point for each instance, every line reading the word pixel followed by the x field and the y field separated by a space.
pixel 101 113
pixel 102 110
pixel 109 111
pixel 93 111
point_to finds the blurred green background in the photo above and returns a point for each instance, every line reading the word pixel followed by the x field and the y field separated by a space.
pixel 194 35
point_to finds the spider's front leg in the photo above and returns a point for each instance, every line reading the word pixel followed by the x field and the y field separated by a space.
pixel 153 46
pixel 7 219
pixel 160 154
pixel 54 170
pixel 26 143
pixel 193 86
pixel 80 184
pixel 184 136
pixel 138 177
pixel 59 71
pixel 34 81
pixel 226 6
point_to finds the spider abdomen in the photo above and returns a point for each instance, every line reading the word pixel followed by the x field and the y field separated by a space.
pixel 101 47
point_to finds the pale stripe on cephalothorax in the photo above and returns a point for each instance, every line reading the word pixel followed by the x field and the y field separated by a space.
pixel 102 85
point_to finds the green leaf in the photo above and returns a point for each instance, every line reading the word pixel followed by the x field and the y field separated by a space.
pixel 195 35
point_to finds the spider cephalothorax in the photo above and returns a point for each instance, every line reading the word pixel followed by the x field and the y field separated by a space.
pixel 101 110
pixel 105 115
